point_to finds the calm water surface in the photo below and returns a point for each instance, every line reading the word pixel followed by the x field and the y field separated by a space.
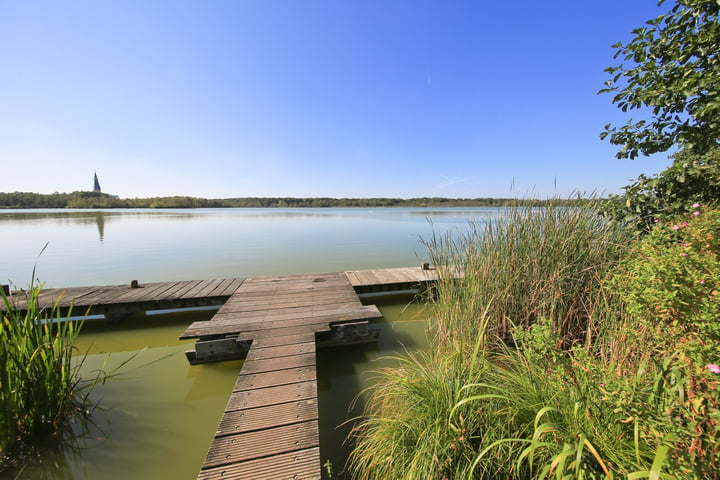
pixel 111 247
pixel 156 418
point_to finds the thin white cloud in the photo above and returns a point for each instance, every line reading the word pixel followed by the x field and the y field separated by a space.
pixel 451 181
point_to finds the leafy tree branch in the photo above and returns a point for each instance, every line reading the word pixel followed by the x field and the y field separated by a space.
pixel 669 71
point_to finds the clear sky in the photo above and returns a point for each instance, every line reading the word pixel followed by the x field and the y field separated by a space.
pixel 306 98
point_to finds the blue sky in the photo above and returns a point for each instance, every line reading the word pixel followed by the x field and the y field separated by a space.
pixel 338 98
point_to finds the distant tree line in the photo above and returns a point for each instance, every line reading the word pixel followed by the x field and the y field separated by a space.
pixel 103 200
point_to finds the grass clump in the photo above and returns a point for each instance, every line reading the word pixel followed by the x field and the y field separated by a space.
pixel 565 348
pixel 425 437
pixel 41 392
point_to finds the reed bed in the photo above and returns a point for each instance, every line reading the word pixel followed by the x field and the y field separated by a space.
pixel 41 391
pixel 532 263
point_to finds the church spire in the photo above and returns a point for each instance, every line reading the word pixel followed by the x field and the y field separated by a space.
pixel 96 185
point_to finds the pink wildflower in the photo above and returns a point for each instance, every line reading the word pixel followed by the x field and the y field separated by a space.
pixel 696 213
pixel 701 281
pixel 695 205
pixel 675 227
pixel 684 224
pixel 683 254
pixel 713 368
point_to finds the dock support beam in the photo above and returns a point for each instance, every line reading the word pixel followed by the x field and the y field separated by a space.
pixel 218 350
pixel 347 334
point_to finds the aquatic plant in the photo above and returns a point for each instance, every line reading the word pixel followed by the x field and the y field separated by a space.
pixel 41 391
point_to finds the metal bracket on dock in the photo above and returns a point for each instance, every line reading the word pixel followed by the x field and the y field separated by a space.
pixel 218 350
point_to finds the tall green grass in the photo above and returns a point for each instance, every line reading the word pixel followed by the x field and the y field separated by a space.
pixel 41 390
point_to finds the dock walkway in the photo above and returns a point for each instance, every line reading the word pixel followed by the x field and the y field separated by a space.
pixel 116 302
pixel 269 429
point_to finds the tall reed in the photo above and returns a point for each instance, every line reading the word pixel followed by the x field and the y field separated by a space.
pixel 41 390
pixel 531 263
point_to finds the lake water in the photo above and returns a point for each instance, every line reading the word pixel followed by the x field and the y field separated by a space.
pixel 156 418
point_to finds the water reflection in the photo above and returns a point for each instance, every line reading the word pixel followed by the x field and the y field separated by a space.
pixel 100 220
pixel 82 218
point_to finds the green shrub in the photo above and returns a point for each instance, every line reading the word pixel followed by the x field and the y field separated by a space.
pixel 689 179
pixel 671 283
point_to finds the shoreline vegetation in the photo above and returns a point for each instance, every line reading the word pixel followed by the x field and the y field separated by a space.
pixel 86 199
pixel 568 348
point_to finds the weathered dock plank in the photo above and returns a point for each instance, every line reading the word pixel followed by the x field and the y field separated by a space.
pixel 257 397
pixel 280 363
pixel 258 353
pixel 266 416
pixel 275 377
pixel 112 300
pixel 282 338
pixel 367 281
pixel 302 463
pixel 265 303
pixel 290 325
pixel 211 285
pixel 264 443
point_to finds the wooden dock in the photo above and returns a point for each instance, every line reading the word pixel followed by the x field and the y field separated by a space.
pixel 391 279
pixel 269 429
pixel 116 302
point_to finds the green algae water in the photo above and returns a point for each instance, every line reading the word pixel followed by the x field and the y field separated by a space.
pixel 155 418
